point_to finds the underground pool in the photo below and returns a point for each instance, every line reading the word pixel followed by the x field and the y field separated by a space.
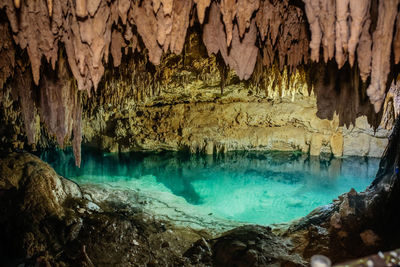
pixel 247 187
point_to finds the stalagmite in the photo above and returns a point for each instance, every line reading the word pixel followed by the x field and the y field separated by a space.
pixel 381 50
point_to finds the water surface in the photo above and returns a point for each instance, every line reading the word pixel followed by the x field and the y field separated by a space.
pixel 250 187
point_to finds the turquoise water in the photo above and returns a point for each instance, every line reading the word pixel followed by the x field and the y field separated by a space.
pixel 250 187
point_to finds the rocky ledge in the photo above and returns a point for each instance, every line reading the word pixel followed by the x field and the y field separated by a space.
pixel 47 220
pixel 233 122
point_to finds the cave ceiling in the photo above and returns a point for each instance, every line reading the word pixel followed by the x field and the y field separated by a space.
pixel 348 48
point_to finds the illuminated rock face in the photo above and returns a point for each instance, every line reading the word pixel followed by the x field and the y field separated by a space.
pixel 245 35
pixel 234 123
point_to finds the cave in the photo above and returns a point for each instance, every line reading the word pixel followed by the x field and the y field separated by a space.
pixel 199 133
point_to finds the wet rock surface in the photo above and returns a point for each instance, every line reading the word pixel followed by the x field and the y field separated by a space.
pixel 45 220
pixel 248 245
pixel 48 220
pixel 234 122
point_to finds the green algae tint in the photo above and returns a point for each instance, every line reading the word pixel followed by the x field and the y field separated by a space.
pixel 250 187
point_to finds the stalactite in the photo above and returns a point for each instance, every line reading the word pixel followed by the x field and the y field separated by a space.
pixel 312 12
pixel 327 23
pixel 146 24
pixel 342 31
pixel 396 41
pixel 214 36
pixel 245 10
pixel 228 10
pixel 201 6
pixel 7 54
pixel 381 51
pixel 117 42
pixel 180 16
pixel 243 54
pixel 359 13
pixel 364 49
pixel 77 130
pixel 24 89
pixel 391 106
pixel 238 30
pixel 341 92
pixel 34 31
pixel 60 106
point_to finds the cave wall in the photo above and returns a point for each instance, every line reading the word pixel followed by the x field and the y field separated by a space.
pixel 234 122
pixel 56 55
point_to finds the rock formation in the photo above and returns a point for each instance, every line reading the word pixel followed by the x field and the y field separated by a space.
pixel 242 32
pixel 47 219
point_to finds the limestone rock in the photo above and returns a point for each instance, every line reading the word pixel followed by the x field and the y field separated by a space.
pixel 147 27
pixel 202 5
pixel 228 11
pixel 381 51
pixel 45 190
pixel 243 54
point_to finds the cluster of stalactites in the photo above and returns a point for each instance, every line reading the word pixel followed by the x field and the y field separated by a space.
pixel 343 28
pixel 90 30
pixel 280 27
pixel 240 31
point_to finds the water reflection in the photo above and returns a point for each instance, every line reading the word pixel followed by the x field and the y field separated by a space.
pixel 260 187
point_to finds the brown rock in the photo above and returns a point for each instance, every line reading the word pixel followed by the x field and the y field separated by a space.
pixel 381 51
pixel 369 238
pixel 228 11
pixel 201 6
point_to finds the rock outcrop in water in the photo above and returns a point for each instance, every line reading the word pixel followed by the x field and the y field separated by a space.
pixel 245 35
